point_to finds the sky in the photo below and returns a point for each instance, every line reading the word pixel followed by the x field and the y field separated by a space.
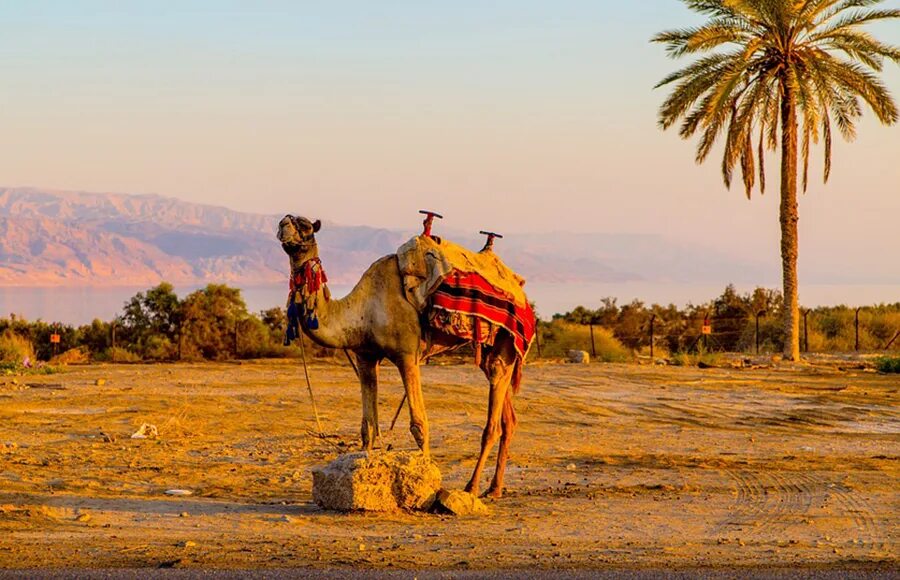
pixel 512 116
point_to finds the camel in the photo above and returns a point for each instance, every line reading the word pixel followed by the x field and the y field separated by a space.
pixel 376 322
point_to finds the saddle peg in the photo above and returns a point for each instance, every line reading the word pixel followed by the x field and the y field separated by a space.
pixel 489 243
pixel 429 219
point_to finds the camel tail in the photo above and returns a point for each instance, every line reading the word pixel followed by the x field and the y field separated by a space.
pixel 517 375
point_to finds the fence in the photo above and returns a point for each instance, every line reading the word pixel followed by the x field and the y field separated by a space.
pixel 657 333
pixel 837 329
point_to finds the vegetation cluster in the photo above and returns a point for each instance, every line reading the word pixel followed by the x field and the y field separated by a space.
pixel 732 319
pixel 213 323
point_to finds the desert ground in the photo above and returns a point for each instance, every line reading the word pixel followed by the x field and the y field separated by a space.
pixel 613 467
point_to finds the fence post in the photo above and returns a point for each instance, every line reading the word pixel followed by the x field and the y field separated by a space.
pixel 758 314
pixel 652 320
pixel 593 346
pixel 856 324
pixel 537 335
pixel 891 341
pixel 805 332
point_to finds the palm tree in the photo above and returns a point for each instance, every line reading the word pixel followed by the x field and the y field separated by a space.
pixel 771 62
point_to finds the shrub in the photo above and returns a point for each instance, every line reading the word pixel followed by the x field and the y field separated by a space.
pixel 15 348
pixel 686 359
pixel 13 368
pixel 158 347
pixel 73 356
pixel 559 337
pixel 888 364
pixel 118 355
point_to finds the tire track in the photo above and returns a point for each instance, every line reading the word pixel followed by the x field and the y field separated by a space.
pixel 767 503
pixel 854 507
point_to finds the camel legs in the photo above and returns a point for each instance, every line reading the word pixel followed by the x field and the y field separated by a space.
pixel 418 420
pixel 368 382
pixel 498 367
pixel 508 424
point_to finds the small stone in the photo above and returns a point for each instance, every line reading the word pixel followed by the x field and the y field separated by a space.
pixel 187 544
pixel 100 382
pixel 362 547
pixel 184 515
pixel 578 357
pixel 179 492
pixel 146 431
pixel 571 467
pixel 459 503
pixel 287 519
pixel 83 518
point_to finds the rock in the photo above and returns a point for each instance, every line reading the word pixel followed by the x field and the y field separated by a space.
pixel 147 431
pixel 100 382
pixel 459 503
pixel 579 357
pixel 179 492
pixel 377 481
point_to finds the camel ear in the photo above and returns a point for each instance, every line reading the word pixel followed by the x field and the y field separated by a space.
pixel 317 225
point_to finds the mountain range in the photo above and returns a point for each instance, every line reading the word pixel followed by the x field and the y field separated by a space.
pixel 51 238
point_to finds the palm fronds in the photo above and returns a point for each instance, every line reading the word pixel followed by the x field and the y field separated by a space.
pixel 814 54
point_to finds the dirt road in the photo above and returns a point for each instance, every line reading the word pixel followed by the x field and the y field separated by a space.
pixel 613 466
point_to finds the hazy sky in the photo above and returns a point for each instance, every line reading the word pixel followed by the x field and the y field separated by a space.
pixel 510 115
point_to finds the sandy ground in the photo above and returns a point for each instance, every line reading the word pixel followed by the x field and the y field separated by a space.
pixel 614 466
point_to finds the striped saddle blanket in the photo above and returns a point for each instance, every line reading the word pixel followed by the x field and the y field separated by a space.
pixel 471 295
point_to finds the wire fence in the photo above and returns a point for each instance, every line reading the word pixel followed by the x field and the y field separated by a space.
pixel 863 329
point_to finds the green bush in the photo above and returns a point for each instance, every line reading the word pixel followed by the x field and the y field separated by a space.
pixel 14 368
pixel 888 364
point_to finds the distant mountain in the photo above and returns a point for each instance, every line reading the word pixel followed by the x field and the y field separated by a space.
pixel 50 238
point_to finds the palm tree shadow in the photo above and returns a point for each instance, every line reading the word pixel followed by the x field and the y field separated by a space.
pixel 162 505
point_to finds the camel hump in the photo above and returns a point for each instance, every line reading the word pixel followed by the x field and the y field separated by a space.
pixel 425 263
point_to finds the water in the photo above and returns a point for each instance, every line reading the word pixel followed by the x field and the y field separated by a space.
pixel 81 305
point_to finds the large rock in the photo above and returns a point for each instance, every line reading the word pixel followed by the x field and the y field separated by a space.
pixel 377 481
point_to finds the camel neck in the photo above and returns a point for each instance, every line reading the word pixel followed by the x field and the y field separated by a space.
pixel 323 319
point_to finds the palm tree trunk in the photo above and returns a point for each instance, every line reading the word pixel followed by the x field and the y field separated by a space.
pixel 789 217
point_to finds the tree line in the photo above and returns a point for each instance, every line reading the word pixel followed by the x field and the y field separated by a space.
pixel 732 320
pixel 213 323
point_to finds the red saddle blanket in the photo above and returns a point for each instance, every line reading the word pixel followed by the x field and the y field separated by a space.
pixel 468 306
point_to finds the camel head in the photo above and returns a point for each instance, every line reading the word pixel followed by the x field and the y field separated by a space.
pixel 298 238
